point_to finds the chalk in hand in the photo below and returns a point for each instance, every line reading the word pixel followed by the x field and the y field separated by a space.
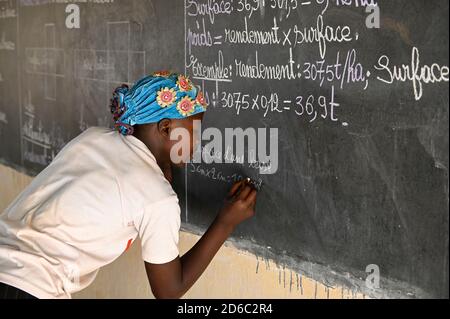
pixel 254 184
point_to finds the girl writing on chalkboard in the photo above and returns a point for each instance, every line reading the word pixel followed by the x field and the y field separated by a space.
pixel 106 188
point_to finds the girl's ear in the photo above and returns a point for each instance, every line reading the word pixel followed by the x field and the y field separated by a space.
pixel 164 127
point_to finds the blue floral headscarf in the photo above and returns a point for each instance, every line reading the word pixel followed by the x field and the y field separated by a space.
pixel 163 95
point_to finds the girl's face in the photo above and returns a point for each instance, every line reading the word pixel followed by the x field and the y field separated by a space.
pixel 184 146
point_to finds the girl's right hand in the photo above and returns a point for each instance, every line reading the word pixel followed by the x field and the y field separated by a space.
pixel 239 204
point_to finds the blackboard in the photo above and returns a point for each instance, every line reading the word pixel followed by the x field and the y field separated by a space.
pixel 362 170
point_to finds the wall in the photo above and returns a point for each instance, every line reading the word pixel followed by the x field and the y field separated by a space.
pixel 233 273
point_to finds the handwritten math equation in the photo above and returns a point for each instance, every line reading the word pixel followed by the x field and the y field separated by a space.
pixel 232 46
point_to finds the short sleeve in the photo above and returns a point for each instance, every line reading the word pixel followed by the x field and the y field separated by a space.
pixel 159 229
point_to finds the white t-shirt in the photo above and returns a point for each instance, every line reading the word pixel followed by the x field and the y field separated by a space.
pixel 83 211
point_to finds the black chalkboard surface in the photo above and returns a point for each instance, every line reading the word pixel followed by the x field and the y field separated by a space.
pixel 360 174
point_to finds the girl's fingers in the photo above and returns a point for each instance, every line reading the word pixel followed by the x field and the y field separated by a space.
pixel 251 198
pixel 235 188
pixel 246 189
